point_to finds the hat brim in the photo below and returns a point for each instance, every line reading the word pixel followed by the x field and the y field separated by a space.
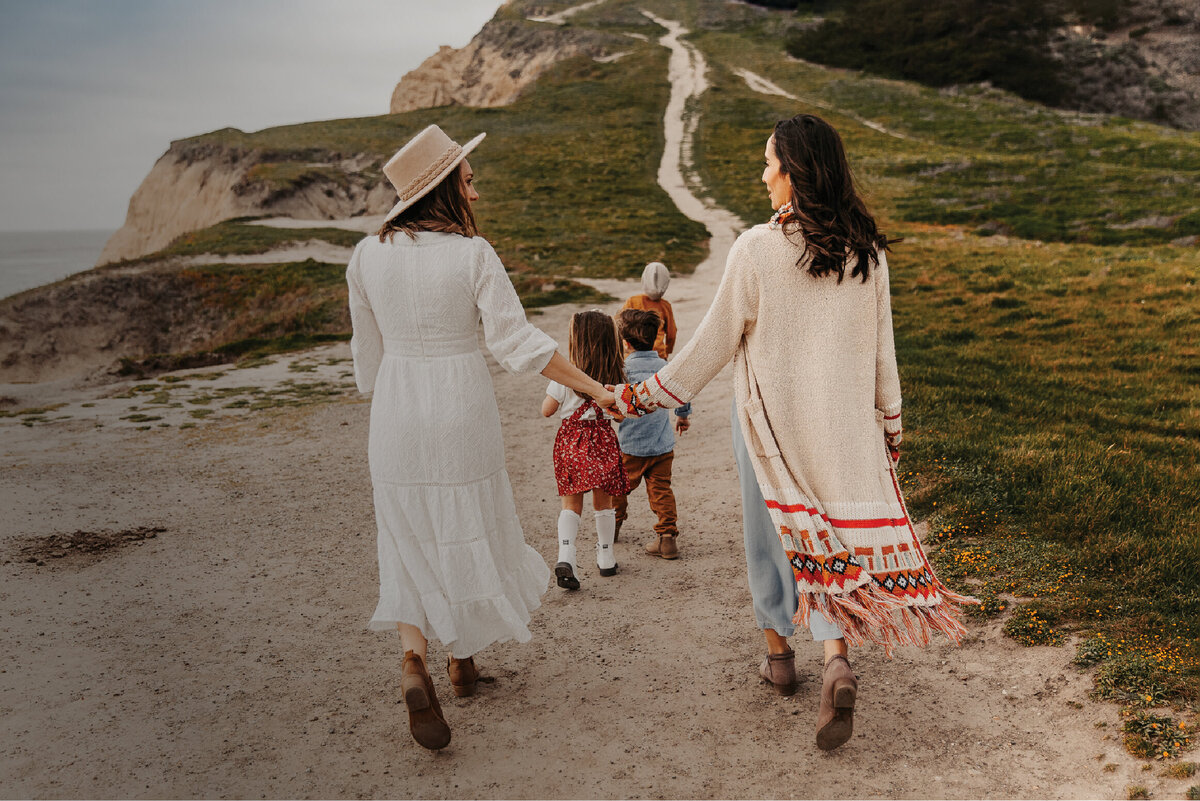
pixel 451 167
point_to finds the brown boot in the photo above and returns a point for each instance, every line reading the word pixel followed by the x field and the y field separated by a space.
pixel 653 546
pixel 780 672
pixel 839 689
pixel 425 719
pixel 667 548
pixel 463 675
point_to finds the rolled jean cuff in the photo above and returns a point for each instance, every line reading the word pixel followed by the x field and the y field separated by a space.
pixel 823 628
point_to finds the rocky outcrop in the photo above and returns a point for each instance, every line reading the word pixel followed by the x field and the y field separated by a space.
pixel 1143 63
pixel 506 56
pixel 200 182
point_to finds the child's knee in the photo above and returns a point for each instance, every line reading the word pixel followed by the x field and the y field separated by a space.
pixel 602 501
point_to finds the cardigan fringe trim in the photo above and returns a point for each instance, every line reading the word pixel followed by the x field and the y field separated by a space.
pixel 869 614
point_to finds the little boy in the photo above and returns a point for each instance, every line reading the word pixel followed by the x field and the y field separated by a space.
pixel 655 279
pixel 647 444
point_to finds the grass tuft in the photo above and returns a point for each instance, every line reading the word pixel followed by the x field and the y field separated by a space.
pixel 1180 770
pixel 1151 736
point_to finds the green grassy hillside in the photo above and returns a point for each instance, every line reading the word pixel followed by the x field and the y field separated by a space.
pixel 566 175
pixel 1049 342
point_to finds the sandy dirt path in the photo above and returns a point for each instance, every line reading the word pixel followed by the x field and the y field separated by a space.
pixel 228 655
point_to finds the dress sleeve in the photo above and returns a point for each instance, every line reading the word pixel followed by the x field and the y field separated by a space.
pixel 733 310
pixel 366 343
pixel 519 346
pixel 887 376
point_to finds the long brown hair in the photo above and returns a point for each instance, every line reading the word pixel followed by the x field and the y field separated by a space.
pixel 445 208
pixel 827 210
pixel 593 347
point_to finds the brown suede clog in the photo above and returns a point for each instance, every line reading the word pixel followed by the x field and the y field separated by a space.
pixel 425 719
pixel 839 690
pixel 779 670
pixel 463 675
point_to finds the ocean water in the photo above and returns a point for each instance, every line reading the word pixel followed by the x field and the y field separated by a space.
pixel 33 258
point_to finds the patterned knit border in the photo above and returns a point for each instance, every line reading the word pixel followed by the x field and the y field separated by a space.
pixel 888 608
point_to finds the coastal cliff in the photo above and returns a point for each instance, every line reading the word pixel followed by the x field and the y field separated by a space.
pixel 203 181
pixel 505 57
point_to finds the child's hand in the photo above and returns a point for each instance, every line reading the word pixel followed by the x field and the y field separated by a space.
pixel 682 424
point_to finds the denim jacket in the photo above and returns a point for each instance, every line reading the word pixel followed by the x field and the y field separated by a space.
pixel 651 435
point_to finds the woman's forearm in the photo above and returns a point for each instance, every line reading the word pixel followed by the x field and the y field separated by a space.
pixel 561 370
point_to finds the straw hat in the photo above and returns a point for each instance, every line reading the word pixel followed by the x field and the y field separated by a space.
pixel 423 163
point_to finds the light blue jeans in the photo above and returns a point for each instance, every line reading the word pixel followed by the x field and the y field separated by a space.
pixel 772 583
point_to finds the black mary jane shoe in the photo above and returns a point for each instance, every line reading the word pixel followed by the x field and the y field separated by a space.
pixel 565 575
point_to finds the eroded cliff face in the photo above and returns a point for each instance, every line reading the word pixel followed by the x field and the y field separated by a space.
pixel 506 56
pixel 198 184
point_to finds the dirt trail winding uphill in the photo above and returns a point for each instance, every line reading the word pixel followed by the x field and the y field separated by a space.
pixel 228 654
pixel 686 70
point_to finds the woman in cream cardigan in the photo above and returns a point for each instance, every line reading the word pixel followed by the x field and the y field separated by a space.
pixel 804 312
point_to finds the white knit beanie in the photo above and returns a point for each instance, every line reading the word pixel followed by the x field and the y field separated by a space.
pixel 655 279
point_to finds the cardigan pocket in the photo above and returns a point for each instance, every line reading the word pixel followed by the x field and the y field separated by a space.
pixel 764 440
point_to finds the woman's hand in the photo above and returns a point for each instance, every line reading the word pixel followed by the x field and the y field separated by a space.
pixel 608 402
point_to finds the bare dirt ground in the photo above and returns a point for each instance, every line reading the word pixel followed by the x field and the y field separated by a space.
pixel 193 623
pixel 227 655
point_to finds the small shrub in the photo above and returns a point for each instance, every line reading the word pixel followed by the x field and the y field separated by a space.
pixel 1028 627
pixel 990 604
pixel 1150 736
pixel 1136 791
pixel 1193 793
pixel 1134 679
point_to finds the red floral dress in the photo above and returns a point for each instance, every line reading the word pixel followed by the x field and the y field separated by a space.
pixel 587 456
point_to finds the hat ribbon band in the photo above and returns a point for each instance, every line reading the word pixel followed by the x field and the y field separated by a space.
pixel 418 183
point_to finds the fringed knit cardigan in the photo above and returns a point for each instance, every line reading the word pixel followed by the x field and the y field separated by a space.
pixel 818 397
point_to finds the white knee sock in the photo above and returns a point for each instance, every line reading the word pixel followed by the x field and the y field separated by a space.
pixel 568 528
pixel 606 532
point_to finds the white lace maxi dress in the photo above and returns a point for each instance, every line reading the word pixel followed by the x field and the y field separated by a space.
pixel 452 557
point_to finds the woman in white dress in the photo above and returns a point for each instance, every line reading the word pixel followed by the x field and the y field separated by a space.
pixel 453 563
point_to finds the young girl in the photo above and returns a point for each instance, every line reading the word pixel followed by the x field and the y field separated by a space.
pixel 586 454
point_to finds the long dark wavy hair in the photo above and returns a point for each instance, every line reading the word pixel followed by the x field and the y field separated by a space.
pixel 828 212
pixel 444 208
pixel 593 347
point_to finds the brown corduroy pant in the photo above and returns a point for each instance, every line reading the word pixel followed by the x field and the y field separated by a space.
pixel 657 472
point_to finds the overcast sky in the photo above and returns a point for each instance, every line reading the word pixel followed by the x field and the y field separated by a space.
pixel 93 91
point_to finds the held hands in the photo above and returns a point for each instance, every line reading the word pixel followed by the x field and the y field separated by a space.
pixel 625 406
pixel 608 402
